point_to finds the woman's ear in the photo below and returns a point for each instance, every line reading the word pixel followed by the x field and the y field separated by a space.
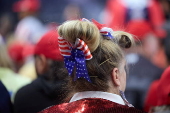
pixel 115 76
pixel 40 64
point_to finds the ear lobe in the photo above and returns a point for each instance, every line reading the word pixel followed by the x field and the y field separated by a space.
pixel 115 76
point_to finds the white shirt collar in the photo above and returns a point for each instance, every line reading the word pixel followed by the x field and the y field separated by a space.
pixel 98 94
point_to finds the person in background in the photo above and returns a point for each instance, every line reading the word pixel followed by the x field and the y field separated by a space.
pixel 29 29
pixel 71 12
pixel 97 67
pixel 166 8
pixel 5 103
pixel 152 97
pixel 6 27
pixel 15 51
pixel 158 99
pixel 137 17
pixel 11 80
pixel 47 89
pixel 141 72
pixel 28 32
pixel 163 99
pixel 144 19
pixel 22 57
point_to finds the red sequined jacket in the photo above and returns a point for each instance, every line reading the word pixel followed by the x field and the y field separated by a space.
pixel 91 105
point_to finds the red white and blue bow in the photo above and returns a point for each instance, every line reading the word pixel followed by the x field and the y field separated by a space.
pixel 84 19
pixel 105 31
pixel 75 56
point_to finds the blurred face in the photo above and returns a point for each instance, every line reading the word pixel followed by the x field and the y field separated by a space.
pixel 122 73
pixel 150 45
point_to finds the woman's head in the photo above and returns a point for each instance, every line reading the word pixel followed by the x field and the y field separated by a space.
pixel 107 67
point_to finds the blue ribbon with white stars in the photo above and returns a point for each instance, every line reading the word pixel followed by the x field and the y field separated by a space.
pixel 77 60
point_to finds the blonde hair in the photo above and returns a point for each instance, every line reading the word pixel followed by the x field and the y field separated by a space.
pixel 107 54
pixel 5 60
pixel 70 30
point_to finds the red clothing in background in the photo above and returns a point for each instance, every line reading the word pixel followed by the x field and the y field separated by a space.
pixel 136 17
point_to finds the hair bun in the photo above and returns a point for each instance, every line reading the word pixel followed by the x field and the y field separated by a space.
pixel 123 39
pixel 84 30
pixel 125 42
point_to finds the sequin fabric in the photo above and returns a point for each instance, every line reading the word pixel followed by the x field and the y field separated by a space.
pixel 91 105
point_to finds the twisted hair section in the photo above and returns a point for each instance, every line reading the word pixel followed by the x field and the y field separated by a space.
pixel 86 31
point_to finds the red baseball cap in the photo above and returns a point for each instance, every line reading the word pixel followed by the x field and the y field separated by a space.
pixel 140 28
pixel 15 51
pixel 18 51
pixel 151 98
pixel 26 5
pixel 48 46
pixel 164 88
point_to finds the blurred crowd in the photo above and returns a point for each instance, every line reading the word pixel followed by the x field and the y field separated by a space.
pixel 27 65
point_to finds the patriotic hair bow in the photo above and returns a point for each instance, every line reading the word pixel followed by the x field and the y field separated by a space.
pixel 84 19
pixel 105 31
pixel 75 56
